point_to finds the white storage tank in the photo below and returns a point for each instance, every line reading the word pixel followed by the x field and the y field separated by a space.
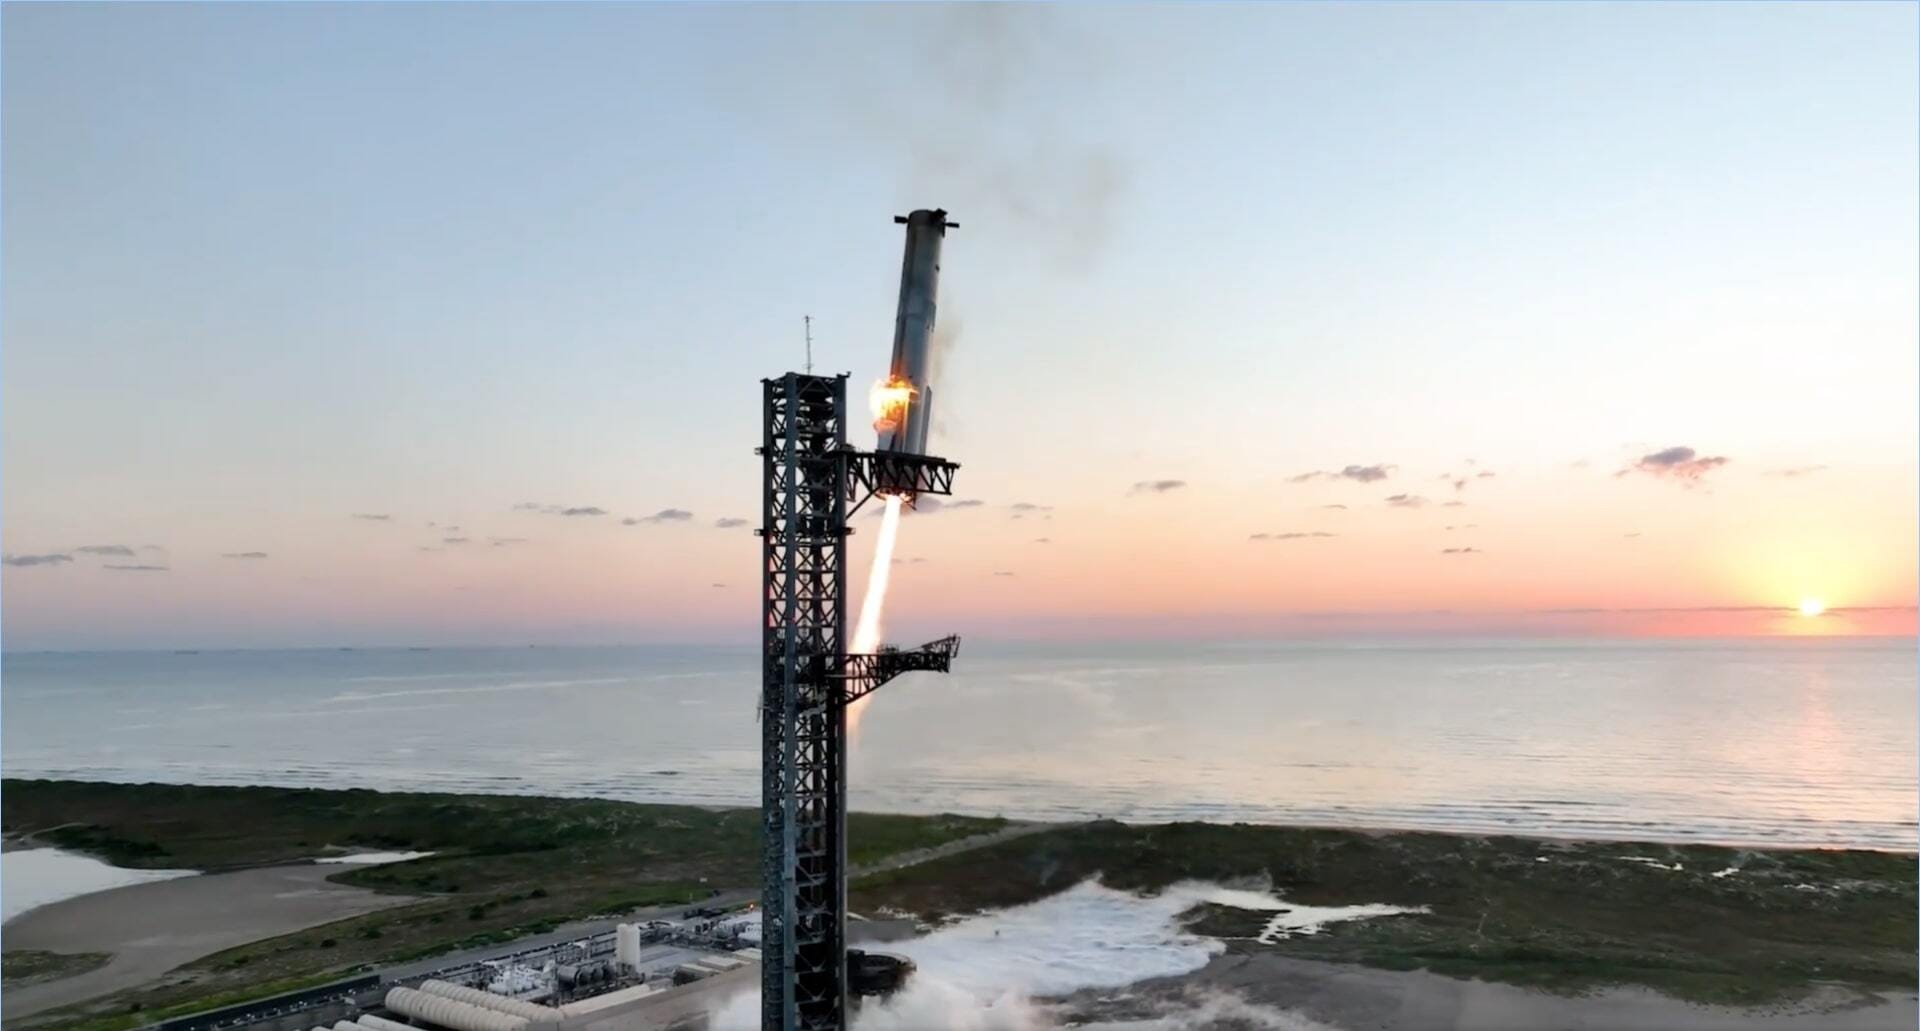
pixel 450 1013
pixel 533 1012
pixel 626 946
pixel 348 1025
pixel 373 1023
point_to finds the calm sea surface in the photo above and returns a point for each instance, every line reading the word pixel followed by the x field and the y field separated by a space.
pixel 1789 742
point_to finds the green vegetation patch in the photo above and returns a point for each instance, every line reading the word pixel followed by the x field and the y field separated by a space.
pixel 26 966
pixel 1558 915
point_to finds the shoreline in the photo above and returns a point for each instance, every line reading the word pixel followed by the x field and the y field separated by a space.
pixel 1373 827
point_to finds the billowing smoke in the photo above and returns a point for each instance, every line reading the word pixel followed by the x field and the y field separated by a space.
pixel 946 334
pixel 991 972
pixel 1003 143
pixel 926 1003
pixel 930 1003
pixel 988 121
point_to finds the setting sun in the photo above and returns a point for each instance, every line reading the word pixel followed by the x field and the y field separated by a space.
pixel 1812 606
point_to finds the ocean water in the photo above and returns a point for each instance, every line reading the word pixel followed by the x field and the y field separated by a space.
pixel 35 877
pixel 1774 742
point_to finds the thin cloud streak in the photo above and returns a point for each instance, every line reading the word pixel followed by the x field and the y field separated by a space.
pixel 105 550
pixel 1156 486
pixel 52 559
pixel 1683 465
pixel 665 515
pixel 560 510
pixel 1357 473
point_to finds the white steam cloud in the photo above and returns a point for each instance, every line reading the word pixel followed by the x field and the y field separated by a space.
pixel 987 973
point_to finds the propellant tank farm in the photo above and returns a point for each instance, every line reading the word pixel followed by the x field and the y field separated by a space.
pixel 813 482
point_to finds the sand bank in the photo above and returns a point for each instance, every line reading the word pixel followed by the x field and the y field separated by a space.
pixel 152 928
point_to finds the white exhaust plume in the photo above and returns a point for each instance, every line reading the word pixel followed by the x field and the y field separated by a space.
pixel 866 633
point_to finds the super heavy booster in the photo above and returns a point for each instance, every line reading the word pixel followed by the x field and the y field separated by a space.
pixel 904 403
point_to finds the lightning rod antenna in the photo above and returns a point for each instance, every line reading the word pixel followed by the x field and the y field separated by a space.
pixel 809 321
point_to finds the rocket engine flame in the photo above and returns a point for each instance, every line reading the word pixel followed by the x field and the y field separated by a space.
pixel 866 633
pixel 889 399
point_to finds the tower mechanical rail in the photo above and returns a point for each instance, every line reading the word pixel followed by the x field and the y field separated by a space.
pixel 813 481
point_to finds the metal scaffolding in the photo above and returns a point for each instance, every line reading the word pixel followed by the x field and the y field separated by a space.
pixel 813 482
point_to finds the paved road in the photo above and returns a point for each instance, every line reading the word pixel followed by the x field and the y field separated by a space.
pixel 954 848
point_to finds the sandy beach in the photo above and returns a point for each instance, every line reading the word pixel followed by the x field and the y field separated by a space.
pixel 152 928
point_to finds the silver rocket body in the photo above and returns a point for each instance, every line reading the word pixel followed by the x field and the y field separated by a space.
pixel 903 427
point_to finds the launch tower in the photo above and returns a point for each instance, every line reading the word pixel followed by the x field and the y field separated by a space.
pixel 812 483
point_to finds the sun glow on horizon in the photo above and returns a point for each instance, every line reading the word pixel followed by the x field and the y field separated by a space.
pixel 1811 607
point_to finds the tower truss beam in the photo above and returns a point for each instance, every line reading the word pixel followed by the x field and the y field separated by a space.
pixel 812 482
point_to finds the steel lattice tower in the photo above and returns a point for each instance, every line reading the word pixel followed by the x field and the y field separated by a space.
pixel 813 482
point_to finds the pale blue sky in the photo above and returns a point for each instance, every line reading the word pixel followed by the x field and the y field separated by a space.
pixel 268 265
